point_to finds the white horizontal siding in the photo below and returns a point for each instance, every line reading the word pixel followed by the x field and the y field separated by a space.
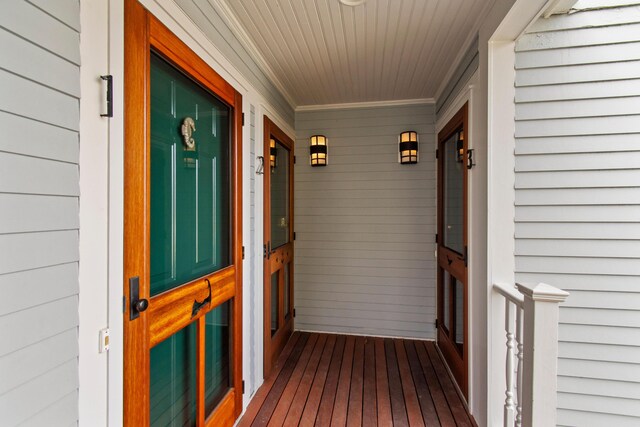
pixel 578 199
pixel 365 224
pixel 39 190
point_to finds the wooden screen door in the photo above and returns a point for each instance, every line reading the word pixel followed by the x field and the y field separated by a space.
pixel 278 242
pixel 183 253
pixel 452 246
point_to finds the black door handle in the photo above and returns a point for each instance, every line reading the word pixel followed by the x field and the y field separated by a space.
pixel 136 304
pixel 197 305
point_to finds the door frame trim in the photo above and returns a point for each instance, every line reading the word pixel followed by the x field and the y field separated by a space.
pixel 276 343
pixel 142 32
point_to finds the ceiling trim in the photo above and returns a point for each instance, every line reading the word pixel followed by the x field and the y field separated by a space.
pixel 397 102
pixel 234 24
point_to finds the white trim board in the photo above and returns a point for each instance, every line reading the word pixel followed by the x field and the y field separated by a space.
pixel 371 104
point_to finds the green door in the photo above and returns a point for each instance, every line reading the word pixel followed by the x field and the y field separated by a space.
pixel 182 234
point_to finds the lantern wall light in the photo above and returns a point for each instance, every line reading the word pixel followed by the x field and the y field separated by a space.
pixel 408 148
pixel 273 153
pixel 318 150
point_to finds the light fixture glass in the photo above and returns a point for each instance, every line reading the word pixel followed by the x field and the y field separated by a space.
pixel 460 147
pixel 408 148
pixel 273 153
pixel 318 150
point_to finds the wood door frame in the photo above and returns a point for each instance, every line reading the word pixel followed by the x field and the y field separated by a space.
pixel 458 263
pixel 143 33
pixel 280 256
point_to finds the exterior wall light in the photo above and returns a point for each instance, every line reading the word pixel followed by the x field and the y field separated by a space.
pixel 273 153
pixel 460 147
pixel 408 148
pixel 319 150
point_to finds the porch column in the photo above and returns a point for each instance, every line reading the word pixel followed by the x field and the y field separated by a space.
pixel 541 314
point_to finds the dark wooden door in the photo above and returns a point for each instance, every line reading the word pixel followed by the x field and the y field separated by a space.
pixel 278 241
pixel 452 277
pixel 183 253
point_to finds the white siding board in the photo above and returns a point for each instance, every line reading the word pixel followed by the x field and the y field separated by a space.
pixel 605 301
pixel 578 196
pixel 591 282
pixel 581 230
pixel 65 11
pixel 612 266
pixel 592 36
pixel 35 25
pixel 26 251
pixel 578 248
pixel 31 175
pixel 21 213
pixel 27 289
pixel 579 108
pixel 598 387
pixel 602 404
pixel 599 352
pixel 368 221
pixel 579 144
pixel 578 73
pixel 29 99
pixel 600 370
pixel 588 19
pixel 570 91
pixel 572 214
pixel 28 363
pixel 580 126
pixel 621 178
pixel 593 419
pixel 27 327
pixel 22 135
pixel 579 162
pixel 21 403
pixel 62 411
pixel 578 56
pixel 600 317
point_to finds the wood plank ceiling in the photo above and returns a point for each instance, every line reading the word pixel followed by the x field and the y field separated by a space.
pixel 324 52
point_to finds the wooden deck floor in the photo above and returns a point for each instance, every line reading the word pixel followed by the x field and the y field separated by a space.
pixel 338 380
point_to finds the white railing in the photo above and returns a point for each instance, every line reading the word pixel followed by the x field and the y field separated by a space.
pixel 530 350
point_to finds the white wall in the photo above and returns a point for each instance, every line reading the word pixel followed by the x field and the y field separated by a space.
pixel 577 199
pixel 365 224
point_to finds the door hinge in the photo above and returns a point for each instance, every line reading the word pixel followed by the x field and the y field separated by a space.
pixel 294 235
pixel 242 119
pixel 243 252
pixel 242 386
pixel 294 312
pixel 264 248
pixel 109 79
pixel 436 323
pixel 436 237
pixel 294 160
pixel 124 304
pixel 437 152
pixel 466 257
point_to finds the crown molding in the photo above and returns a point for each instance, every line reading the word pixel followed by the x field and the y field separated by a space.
pixel 238 30
pixel 372 104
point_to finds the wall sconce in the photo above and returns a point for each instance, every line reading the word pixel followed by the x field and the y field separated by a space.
pixel 460 147
pixel 319 150
pixel 273 153
pixel 408 148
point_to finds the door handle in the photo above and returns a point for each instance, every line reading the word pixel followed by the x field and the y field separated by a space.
pixel 197 305
pixel 136 304
pixel 449 260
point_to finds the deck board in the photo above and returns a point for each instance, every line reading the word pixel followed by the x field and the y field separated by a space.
pixel 338 380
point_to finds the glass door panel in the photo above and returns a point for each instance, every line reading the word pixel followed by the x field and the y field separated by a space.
pixel 217 354
pixel 279 161
pixel 453 200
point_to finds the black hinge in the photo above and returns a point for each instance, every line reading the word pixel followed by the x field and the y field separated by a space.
pixel 294 160
pixel 294 235
pixel 294 312
pixel 466 257
pixel 243 252
pixel 124 303
pixel 264 249
pixel 242 119
pixel 109 79
pixel 436 237
pixel 437 152
pixel 242 386
pixel 436 323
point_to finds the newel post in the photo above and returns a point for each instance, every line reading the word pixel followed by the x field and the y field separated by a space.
pixel 541 314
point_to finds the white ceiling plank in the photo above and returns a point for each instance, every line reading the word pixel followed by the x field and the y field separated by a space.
pixel 325 52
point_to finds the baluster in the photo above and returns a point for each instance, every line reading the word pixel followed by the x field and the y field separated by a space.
pixel 520 347
pixel 509 407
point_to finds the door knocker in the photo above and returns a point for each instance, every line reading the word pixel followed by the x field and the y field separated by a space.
pixel 187 129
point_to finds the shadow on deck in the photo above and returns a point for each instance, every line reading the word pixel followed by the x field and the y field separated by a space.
pixel 338 380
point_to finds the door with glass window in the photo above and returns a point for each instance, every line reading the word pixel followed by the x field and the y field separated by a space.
pixel 278 242
pixel 182 266
pixel 452 276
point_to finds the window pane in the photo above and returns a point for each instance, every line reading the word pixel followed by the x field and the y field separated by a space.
pixel 453 196
pixel 190 187
pixel 445 299
pixel 287 290
pixel 217 355
pixel 280 197
pixel 172 391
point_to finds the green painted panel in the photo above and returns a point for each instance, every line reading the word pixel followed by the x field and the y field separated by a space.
pixel 173 380
pixel 217 355
pixel 190 190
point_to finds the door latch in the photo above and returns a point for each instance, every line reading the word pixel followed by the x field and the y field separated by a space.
pixel 197 305
pixel 136 305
